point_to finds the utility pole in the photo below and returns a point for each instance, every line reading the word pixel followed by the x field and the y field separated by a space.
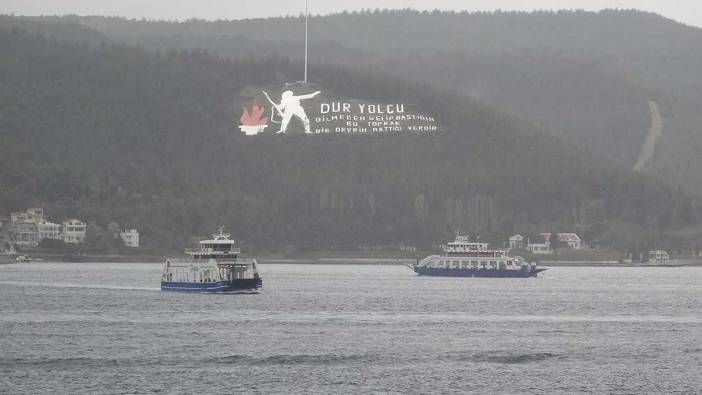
pixel 307 17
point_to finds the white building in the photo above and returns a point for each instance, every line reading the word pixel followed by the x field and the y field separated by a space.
pixel 26 234
pixel 130 237
pixel 572 240
pixel 49 230
pixel 73 231
pixel 658 257
pixel 540 249
pixel 516 241
pixel 34 215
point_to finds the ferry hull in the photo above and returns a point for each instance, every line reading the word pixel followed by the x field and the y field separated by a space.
pixel 248 284
pixel 487 273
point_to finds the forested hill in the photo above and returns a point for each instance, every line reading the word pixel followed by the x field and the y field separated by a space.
pixel 114 133
pixel 583 76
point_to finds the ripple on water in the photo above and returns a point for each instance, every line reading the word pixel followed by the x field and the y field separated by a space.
pixel 99 328
pixel 284 359
pixel 499 357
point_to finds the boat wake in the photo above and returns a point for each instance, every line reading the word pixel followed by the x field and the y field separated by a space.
pixel 240 292
pixel 73 285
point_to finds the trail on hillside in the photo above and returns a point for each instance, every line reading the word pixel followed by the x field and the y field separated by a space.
pixel 654 132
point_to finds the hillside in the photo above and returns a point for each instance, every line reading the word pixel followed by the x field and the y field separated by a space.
pixel 116 133
pixel 582 76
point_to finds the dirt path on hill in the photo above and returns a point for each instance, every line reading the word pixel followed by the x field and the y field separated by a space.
pixel 654 132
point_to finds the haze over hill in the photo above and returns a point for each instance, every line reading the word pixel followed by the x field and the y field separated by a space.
pixel 493 203
pixel 116 133
pixel 685 11
pixel 586 77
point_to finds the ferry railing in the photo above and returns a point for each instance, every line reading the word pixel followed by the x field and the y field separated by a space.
pixel 230 261
pixel 174 262
pixel 237 261
pixel 428 259
pixel 246 264
pixel 211 251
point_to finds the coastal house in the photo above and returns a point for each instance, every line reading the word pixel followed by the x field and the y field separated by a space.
pixel 26 234
pixel 540 249
pixel 516 241
pixel 49 230
pixel 73 231
pixel 34 215
pixel 29 227
pixel 658 257
pixel 572 240
pixel 130 237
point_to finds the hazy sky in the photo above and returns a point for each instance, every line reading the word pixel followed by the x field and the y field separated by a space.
pixel 688 11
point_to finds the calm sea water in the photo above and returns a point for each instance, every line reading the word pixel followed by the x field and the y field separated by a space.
pixel 106 328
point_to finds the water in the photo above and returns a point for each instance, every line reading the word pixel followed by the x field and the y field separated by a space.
pixel 106 328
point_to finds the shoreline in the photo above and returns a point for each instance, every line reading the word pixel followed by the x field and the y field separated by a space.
pixel 340 261
pixel 93 258
pixel 96 258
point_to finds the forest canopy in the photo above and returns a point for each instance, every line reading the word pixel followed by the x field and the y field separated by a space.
pixel 114 133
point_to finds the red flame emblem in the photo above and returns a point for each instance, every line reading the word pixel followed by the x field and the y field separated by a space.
pixel 253 118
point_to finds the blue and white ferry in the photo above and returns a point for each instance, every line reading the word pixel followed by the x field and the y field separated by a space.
pixel 465 258
pixel 213 268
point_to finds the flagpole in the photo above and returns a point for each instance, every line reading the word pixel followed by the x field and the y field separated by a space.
pixel 307 15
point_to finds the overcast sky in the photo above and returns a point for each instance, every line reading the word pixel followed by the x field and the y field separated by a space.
pixel 687 11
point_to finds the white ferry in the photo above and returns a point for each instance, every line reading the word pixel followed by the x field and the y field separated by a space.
pixel 465 258
pixel 213 268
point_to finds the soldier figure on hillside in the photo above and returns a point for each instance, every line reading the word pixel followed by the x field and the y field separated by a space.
pixel 290 106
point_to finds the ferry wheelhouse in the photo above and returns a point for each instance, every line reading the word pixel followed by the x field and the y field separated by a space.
pixel 466 258
pixel 214 267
